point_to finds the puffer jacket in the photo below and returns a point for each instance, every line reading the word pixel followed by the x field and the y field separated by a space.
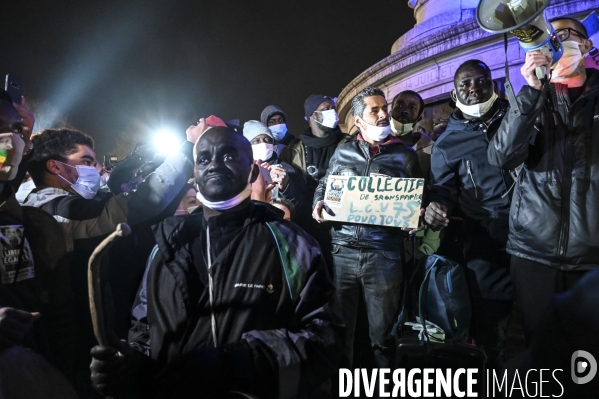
pixel 274 304
pixel 554 217
pixel 393 159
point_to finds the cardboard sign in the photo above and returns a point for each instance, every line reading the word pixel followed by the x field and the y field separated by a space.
pixel 378 200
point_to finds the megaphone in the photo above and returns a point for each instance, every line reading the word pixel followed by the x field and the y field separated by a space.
pixel 526 20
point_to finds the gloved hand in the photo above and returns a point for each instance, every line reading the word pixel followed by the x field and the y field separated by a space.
pixel 110 366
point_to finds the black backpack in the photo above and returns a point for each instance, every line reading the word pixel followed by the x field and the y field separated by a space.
pixel 443 297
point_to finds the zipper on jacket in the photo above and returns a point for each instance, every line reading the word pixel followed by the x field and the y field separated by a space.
pixel 469 169
pixel 567 178
pixel 211 287
pixel 366 170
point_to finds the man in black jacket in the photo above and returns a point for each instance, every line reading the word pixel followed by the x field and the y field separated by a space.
pixel 553 236
pixel 234 297
pixel 368 257
pixel 463 183
pixel 311 155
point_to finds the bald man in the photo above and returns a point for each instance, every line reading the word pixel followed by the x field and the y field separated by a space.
pixel 234 297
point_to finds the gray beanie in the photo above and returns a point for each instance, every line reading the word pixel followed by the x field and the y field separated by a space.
pixel 270 111
pixel 251 129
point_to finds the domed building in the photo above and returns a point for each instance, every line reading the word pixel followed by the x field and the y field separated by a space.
pixel 425 59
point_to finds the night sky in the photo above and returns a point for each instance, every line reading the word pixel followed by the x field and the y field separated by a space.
pixel 120 70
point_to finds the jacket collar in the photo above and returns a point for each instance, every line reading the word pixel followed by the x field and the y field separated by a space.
pixel 391 139
pixel 42 195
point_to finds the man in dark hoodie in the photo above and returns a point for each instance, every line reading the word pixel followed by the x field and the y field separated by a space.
pixel 367 257
pixel 311 155
pixel 276 120
pixel 463 182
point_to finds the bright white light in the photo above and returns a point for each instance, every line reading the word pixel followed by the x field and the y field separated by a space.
pixel 166 142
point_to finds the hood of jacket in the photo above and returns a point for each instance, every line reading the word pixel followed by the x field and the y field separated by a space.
pixel 41 196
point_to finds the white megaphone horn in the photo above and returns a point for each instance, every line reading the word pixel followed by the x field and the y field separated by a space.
pixel 526 20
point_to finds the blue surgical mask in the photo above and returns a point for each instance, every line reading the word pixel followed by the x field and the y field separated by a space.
pixel 278 131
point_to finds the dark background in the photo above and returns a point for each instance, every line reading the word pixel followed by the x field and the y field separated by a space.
pixel 121 70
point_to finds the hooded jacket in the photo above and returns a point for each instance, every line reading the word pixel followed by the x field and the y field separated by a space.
pixel 393 158
pixel 554 217
pixel 88 221
pixel 274 303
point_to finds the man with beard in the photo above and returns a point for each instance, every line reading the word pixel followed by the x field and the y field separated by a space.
pixel 463 183
pixel 367 258
pixel 311 155
pixel 406 110
pixel 555 214
pixel 234 297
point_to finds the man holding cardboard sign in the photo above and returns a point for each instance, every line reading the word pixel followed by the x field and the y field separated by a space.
pixel 381 173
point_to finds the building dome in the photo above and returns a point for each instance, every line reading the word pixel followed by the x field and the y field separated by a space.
pixel 425 58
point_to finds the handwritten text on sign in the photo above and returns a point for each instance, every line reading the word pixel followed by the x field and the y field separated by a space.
pixel 383 201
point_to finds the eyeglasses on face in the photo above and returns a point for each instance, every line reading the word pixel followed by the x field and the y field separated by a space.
pixel 564 34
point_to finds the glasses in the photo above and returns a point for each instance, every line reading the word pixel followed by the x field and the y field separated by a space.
pixel 564 34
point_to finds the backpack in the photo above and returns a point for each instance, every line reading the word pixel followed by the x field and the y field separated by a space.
pixel 443 297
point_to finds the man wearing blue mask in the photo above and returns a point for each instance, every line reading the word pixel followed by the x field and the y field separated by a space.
pixel 367 258
pixel 276 120
pixel 63 168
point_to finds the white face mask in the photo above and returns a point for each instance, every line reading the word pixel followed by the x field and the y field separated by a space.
pixel 477 110
pixel 88 180
pixel 375 133
pixel 329 118
pixel 278 131
pixel 230 203
pixel 401 128
pixel 24 190
pixel 570 61
pixel 262 151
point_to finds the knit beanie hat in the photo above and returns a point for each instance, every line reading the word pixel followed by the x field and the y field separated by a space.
pixel 269 111
pixel 252 129
pixel 313 102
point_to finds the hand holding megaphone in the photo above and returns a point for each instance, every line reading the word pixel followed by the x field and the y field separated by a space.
pixel 535 60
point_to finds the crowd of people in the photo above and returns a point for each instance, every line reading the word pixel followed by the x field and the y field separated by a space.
pixel 232 280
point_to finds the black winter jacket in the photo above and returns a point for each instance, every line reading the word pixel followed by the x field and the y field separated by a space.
pixel 461 174
pixel 462 178
pixel 274 303
pixel 394 159
pixel 554 217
